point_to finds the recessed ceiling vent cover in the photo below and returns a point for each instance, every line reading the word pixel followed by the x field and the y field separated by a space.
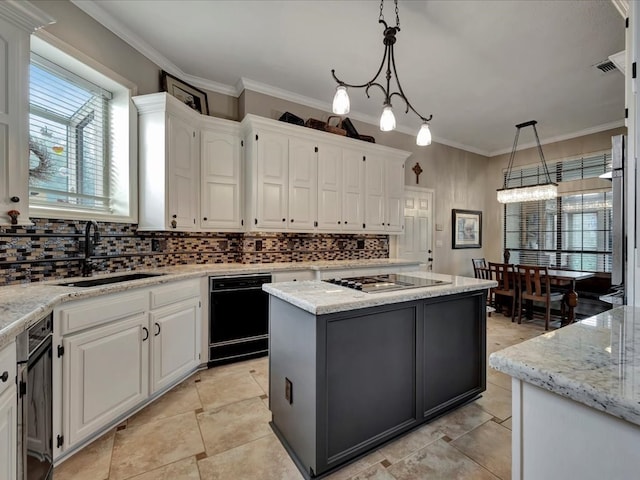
pixel 606 66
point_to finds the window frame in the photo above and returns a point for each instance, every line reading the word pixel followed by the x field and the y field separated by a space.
pixel 122 189
pixel 562 230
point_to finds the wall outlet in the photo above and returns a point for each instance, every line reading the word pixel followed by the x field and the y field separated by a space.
pixel 158 244
pixel 438 243
pixel 258 245
pixel 288 390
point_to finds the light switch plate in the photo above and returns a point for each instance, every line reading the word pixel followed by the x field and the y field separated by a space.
pixel 438 243
pixel 439 227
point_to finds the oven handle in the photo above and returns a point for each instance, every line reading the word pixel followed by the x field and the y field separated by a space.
pixel 243 289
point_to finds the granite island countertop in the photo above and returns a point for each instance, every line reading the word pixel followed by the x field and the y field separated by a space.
pixel 595 362
pixel 23 305
pixel 319 297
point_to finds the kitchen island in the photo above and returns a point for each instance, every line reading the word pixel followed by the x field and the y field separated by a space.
pixel 576 399
pixel 351 370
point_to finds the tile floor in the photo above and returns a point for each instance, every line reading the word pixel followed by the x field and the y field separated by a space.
pixel 214 425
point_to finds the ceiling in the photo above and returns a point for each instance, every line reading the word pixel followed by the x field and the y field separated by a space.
pixel 479 67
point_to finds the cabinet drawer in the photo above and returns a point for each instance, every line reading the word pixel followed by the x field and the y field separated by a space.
pixel 297 276
pixel 174 292
pixel 8 365
pixel 97 311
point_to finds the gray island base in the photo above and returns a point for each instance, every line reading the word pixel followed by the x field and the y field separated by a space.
pixel 343 383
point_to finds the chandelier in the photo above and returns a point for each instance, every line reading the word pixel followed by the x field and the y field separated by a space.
pixel 541 191
pixel 341 102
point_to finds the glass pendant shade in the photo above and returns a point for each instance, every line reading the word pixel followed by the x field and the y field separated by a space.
pixel 387 119
pixel 528 194
pixel 424 135
pixel 341 104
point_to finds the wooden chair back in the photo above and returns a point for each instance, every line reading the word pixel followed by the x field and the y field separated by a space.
pixel 534 283
pixel 504 274
pixel 480 268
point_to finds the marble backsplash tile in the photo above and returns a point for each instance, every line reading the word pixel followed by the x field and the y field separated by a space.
pixel 52 249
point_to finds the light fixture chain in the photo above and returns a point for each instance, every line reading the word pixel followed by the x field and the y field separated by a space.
pixel 381 17
pixel 544 163
pixel 397 16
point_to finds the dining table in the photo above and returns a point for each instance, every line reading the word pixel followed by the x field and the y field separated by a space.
pixel 569 277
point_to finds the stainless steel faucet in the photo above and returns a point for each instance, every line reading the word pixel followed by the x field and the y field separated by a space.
pixel 89 243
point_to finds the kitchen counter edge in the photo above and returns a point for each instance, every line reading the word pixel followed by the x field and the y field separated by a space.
pixel 589 362
pixel 23 305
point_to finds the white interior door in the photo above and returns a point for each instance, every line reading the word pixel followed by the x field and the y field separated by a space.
pixel 417 241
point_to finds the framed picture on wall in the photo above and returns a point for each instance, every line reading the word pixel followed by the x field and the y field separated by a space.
pixel 466 228
pixel 187 94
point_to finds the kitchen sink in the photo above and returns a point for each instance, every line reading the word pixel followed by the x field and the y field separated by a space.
pixel 108 280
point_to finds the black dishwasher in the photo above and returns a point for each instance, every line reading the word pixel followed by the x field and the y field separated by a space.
pixel 238 318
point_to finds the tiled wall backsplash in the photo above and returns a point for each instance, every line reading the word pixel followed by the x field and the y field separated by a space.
pixel 54 249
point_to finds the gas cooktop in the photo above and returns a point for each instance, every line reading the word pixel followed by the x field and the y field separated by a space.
pixel 385 283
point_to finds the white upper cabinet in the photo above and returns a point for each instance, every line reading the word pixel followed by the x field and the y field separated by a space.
pixel 17 22
pixel 394 208
pixel 182 167
pixel 374 188
pixel 353 164
pixel 221 176
pixel 301 179
pixel 303 184
pixel 330 181
pixel 270 186
pixel 169 153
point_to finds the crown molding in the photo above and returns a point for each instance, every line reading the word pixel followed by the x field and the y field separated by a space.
pixel 622 6
pixel 560 138
pixel 94 10
pixel 25 15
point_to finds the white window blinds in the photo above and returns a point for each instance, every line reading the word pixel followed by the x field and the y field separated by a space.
pixel 572 231
pixel 68 139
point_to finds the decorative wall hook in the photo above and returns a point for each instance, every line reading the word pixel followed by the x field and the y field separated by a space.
pixel 417 170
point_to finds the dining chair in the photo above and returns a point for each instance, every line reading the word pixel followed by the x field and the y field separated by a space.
pixel 503 273
pixel 478 265
pixel 481 270
pixel 534 285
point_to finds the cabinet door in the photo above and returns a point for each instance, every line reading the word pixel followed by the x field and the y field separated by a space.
pixel 14 110
pixel 375 200
pixel 329 188
pixel 176 342
pixel 183 166
pixel 8 433
pixel 394 210
pixel 454 352
pixel 220 188
pixel 105 374
pixel 353 165
pixel 272 180
pixel 303 184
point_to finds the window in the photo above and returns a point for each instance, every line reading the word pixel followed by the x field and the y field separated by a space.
pixel 82 160
pixel 572 231
pixel 68 128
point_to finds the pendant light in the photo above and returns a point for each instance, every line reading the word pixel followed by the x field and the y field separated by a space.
pixel 529 193
pixel 341 102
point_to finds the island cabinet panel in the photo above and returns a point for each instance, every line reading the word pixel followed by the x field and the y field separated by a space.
pixel 342 384
pixel 371 378
pixel 453 358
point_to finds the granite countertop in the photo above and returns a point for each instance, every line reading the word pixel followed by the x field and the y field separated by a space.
pixel 23 305
pixel 320 297
pixel 595 362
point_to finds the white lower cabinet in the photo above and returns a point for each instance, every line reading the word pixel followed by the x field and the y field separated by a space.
pixel 8 413
pixel 134 345
pixel 8 433
pixel 176 342
pixel 105 374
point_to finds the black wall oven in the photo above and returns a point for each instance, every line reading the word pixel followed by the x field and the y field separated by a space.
pixel 35 429
pixel 238 318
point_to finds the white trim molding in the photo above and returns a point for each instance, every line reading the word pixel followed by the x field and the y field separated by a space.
pixel 25 15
